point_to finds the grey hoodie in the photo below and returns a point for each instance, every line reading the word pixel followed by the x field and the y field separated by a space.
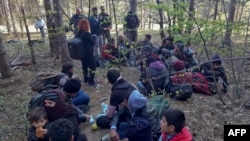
pixel 136 101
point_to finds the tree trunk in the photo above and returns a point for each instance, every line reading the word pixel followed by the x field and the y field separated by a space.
pixel 54 48
pixel 60 32
pixel 81 5
pixel 13 21
pixel 4 64
pixel 133 5
pixel 230 21
pixel 216 9
pixel 7 15
pixel 161 20
pixel 190 20
pixel 32 52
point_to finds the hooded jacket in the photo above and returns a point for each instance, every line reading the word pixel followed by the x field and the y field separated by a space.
pixel 158 73
pixel 184 135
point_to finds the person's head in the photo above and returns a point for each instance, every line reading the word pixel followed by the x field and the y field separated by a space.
pixel 38 117
pixel 135 101
pixel 68 68
pixel 216 60
pixel 178 65
pixel 62 130
pixel 102 9
pixel 71 87
pixel 147 37
pixel 95 11
pixel 130 13
pixel 84 25
pixel 172 122
pixel 120 38
pixel 188 52
pixel 169 40
pixel 113 75
pixel 146 50
pixel 78 11
pixel 50 99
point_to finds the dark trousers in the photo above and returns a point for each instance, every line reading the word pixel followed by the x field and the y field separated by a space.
pixel 88 67
pixel 131 34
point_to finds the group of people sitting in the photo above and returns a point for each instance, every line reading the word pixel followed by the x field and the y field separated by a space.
pixel 127 115
pixel 172 64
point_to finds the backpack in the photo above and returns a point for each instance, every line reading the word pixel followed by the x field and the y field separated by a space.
pixel 132 21
pixel 202 85
pixel 45 80
pixel 37 100
pixel 181 92
pixel 155 108
pixel 76 48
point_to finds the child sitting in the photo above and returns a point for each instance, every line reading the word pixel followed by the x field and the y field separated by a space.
pixel 39 121
pixel 173 126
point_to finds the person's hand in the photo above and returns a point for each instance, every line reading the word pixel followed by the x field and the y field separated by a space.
pixel 87 117
pixel 113 135
pixel 40 132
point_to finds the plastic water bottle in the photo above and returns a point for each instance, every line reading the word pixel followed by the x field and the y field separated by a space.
pixel 104 107
pixel 91 120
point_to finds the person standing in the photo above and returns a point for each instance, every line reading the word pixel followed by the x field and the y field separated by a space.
pixel 131 23
pixel 76 18
pixel 106 23
pixel 88 62
pixel 96 32
pixel 40 24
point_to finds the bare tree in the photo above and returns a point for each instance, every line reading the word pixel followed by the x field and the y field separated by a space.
pixel 7 15
pixel 133 5
pixel 60 32
pixel 216 9
pixel 230 21
pixel 161 19
pixel 190 20
pixel 4 64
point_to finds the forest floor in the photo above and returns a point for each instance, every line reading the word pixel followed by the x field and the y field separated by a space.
pixel 205 115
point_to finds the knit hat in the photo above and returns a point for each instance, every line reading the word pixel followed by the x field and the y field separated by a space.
pixel 113 75
pixel 72 86
pixel 216 59
pixel 178 65
pixel 51 96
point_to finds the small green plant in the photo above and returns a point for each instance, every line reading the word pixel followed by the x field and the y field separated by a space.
pixel 1 100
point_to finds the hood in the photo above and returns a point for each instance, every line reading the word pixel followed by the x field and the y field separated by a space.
pixel 136 101
pixel 158 65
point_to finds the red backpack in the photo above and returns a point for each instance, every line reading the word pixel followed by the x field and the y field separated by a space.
pixel 202 85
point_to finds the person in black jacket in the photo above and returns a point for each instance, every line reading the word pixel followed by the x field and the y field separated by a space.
pixel 88 62
pixel 120 89
pixel 74 20
pixel 39 120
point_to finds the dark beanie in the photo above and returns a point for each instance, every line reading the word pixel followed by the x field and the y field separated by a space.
pixel 113 75
pixel 216 59
pixel 51 96
pixel 72 86
pixel 178 65
pixel 150 59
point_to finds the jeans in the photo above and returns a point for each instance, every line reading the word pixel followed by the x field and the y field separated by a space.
pixel 82 98
pixel 98 45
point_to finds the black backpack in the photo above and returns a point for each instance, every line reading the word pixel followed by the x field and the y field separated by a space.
pixel 132 21
pixel 181 92
pixel 76 48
